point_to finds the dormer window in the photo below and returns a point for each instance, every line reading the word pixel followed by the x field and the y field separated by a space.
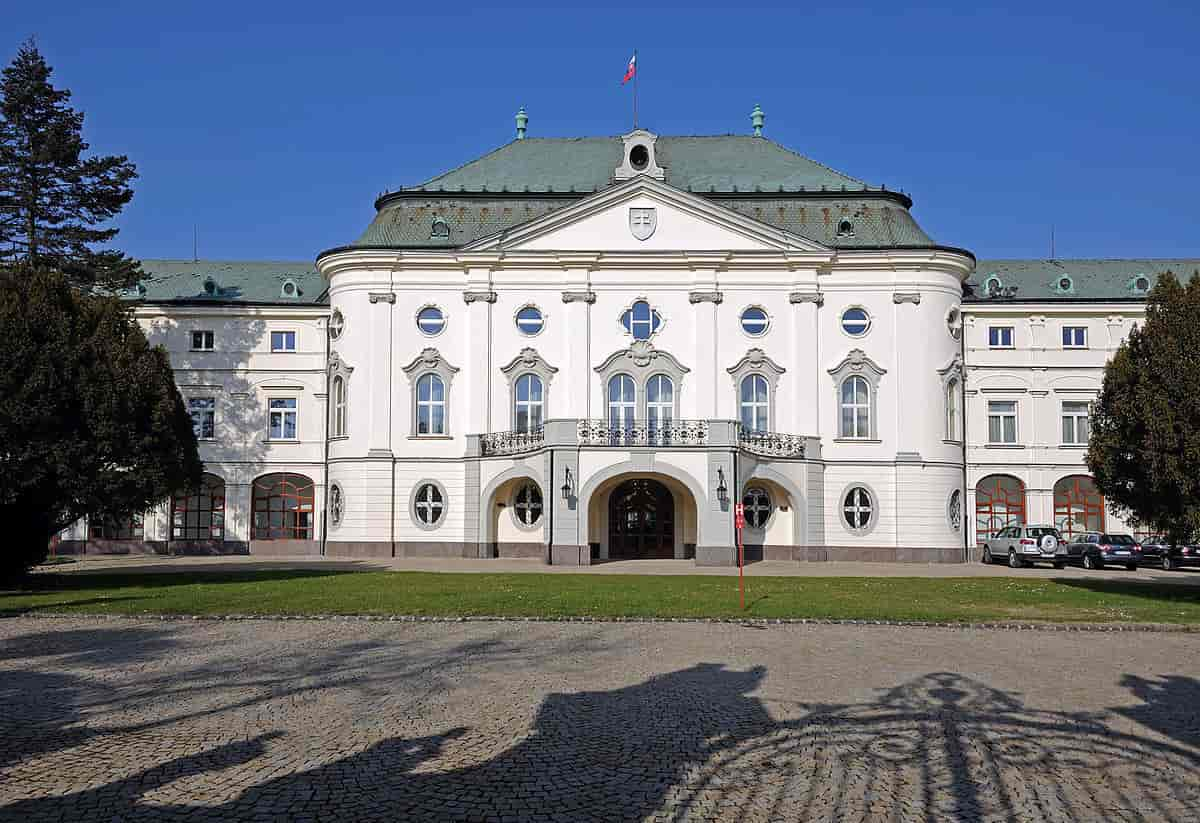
pixel 440 227
pixel 639 157
pixel 845 229
pixel 289 289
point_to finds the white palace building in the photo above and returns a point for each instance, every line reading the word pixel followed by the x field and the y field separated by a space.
pixel 585 349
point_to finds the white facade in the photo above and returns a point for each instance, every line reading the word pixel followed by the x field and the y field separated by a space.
pixel 609 377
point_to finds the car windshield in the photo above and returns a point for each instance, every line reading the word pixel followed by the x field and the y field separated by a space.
pixel 1118 539
pixel 1038 533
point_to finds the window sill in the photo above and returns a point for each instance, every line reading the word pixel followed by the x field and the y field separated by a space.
pixel 282 440
pixel 201 351
pixel 1001 348
pixel 856 440
pixel 430 437
pixel 952 442
pixel 1075 348
pixel 333 437
pixel 1072 445
pixel 1004 445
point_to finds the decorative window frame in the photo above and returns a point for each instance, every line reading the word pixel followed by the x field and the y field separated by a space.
pixel 1058 284
pixel 766 490
pixel 756 361
pixel 841 321
pixel 527 361
pixel 641 361
pixel 766 329
pixel 516 319
pixel 628 332
pixel 429 361
pixel 417 320
pixel 341 330
pixel 875 503
pixel 412 505
pixel 337 367
pixel 336 493
pixel 857 364
pixel 948 374
pixel 957 529
pixel 626 171
pixel 954 322
pixel 1132 285
pixel 512 506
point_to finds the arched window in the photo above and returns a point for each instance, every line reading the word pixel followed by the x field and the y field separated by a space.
pixel 431 405
pixel 953 417
pixel 283 507
pixel 622 402
pixel 999 502
pixel 856 408
pixel 200 514
pixel 529 402
pixel 660 403
pixel 756 411
pixel 339 407
pixel 1078 506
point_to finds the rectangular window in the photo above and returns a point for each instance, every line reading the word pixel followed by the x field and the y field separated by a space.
pixel 204 416
pixel 1002 421
pixel 283 341
pixel 283 418
pixel 1074 337
pixel 202 341
pixel 1076 426
pixel 1000 337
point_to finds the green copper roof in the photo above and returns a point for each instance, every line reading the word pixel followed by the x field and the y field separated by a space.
pixel 223 282
pixel 723 163
pixel 1067 280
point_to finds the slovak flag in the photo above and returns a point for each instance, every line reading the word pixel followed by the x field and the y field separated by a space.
pixel 630 70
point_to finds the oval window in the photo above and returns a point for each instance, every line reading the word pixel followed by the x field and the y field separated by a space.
pixel 431 321
pixel 755 321
pixel 530 320
pixel 856 322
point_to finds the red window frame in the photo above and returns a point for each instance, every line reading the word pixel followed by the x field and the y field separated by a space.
pixel 200 513
pixel 282 507
pixel 1074 506
pixel 997 507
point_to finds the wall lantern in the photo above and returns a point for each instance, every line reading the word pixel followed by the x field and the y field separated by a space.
pixel 566 486
pixel 722 489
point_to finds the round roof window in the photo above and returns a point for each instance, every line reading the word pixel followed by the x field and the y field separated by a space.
pixel 1142 283
pixel 856 322
pixel 530 321
pixel 639 157
pixel 755 321
pixel 431 321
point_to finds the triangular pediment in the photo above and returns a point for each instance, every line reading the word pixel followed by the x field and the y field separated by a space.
pixel 644 214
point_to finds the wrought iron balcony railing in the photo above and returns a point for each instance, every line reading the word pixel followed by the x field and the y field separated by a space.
pixel 642 433
pixel 771 444
pixel 512 442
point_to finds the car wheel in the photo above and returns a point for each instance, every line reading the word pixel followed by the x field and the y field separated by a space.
pixel 1014 562
pixel 1059 565
pixel 1131 567
pixel 1090 563
pixel 986 557
pixel 1168 563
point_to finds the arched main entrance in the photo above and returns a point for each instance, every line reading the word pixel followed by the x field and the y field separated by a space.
pixel 641 520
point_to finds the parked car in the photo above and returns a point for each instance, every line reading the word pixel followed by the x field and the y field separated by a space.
pixel 1158 548
pixel 1024 545
pixel 1094 550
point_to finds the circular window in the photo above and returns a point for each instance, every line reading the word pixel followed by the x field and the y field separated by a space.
pixel 1142 283
pixel 954 510
pixel 337 324
pixel 954 322
pixel 429 505
pixel 527 505
pixel 757 506
pixel 856 322
pixel 857 509
pixel 992 284
pixel 639 157
pixel 431 321
pixel 337 504
pixel 530 321
pixel 845 229
pixel 1064 284
pixel 755 321
pixel 289 288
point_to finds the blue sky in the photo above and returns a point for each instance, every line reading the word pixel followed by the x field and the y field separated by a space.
pixel 273 126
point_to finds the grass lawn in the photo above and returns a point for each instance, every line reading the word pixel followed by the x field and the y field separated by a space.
pixel 562 595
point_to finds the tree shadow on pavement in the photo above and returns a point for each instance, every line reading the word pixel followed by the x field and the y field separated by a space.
pixel 698 744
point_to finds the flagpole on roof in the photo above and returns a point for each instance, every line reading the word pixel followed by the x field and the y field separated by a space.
pixel 635 88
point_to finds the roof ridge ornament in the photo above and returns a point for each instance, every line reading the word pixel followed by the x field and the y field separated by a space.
pixel 756 120
pixel 522 122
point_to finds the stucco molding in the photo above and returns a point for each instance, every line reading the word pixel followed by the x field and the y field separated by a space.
pixel 807 297
pixel 588 297
pixel 480 296
pixel 528 360
pixel 642 355
pixel 705 297
pixel 913 297
pixel 388 297
pixel 755 360
pixel 857 362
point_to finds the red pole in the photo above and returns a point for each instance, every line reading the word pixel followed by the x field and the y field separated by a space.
pixel 741 565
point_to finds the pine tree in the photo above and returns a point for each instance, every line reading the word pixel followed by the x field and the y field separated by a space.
pixel 1144 449
pixel 91 422
pixel 53 199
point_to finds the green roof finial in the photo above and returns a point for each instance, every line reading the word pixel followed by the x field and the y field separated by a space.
pixel 522 122
pixel 756 120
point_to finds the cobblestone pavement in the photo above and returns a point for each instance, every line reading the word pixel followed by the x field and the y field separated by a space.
pixel 335 720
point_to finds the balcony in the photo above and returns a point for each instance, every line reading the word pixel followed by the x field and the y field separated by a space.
pixel 672 434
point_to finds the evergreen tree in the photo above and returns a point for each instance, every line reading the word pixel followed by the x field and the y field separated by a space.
pixel 1144 449
pixel 52 198
pixel 91 422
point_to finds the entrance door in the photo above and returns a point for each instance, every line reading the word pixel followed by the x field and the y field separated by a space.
pixel 641 521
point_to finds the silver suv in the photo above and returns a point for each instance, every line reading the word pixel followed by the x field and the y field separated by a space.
pixel 1023 545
